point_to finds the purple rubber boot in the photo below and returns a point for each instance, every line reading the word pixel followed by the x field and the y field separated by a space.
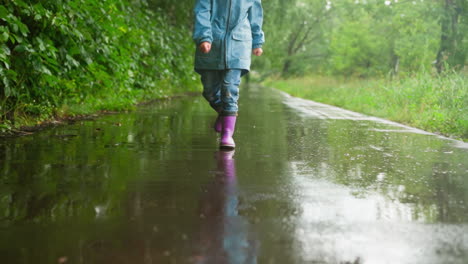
pixel 229 124
pixel 218 125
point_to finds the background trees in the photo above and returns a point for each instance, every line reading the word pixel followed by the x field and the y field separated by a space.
pixel 365 38
pixel 296 36
pixel 453 48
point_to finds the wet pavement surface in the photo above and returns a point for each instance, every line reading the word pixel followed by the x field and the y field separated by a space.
pixel 308 183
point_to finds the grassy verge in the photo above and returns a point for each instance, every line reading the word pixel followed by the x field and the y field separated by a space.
pixel 105 103
pixel 434 103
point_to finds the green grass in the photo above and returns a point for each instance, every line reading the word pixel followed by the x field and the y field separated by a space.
pixel 434 103
pixel 101 103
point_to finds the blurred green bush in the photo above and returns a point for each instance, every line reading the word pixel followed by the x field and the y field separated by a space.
pixel 103 54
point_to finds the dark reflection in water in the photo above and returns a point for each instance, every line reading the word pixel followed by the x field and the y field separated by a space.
pixel 224 236
pixel 308 184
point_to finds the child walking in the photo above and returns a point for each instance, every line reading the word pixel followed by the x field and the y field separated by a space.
pixel 226 32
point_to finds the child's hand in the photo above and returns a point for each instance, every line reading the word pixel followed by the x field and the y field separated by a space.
pixel 258 52
pixel 205 47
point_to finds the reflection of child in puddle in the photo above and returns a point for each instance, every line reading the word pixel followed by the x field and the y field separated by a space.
pixel 224 234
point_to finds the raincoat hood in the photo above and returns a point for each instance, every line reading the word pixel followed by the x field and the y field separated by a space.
pixel 233 27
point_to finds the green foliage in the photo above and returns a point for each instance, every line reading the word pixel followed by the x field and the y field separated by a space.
pixel 296 41
pixel 364 38
pixel 180 11
pixel 356 49
pixel 453 51
pixel 435 103
pixel 55 53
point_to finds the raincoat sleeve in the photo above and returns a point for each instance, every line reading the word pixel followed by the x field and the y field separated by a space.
pixel 256 21
pixel 202 28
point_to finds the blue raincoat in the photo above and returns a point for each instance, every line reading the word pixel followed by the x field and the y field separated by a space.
pixel 233 27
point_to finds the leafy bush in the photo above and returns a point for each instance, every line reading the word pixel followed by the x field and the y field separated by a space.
pixel 57 52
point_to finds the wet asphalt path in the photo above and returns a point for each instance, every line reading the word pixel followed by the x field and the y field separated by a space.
pixel 308 183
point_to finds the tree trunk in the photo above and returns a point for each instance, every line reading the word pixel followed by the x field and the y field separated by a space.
pixel 450 53
pixel 286 66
